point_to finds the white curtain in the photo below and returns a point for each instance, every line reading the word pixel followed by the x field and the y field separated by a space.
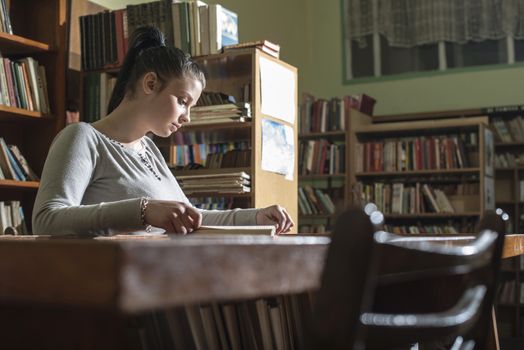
pixel 409 23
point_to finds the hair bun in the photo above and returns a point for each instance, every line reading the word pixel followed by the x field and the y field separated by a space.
pixel 146 37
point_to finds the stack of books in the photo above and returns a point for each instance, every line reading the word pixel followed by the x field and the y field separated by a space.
pixel 222 113
pixel 264 45
pixel 235 182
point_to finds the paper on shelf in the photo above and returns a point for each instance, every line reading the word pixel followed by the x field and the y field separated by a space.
pixel 277 90
pixel 278 148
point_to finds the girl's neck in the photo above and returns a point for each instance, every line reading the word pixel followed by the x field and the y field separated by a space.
pixel 124 124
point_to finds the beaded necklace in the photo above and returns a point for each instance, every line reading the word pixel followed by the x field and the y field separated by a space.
pixel 141 154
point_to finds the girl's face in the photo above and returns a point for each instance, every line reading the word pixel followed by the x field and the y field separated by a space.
pixel 170 108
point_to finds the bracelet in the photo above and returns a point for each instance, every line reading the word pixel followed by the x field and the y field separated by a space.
pixel 143 206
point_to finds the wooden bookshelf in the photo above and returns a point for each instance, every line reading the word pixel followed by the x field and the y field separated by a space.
pixel 444 154
pixel 507 195
pixel 12 184
pixel 428 172
pixel 337 185
pixel 228 73
pixel 39 32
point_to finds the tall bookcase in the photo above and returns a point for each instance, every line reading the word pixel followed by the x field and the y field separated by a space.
pixel 409 169
pixel 508 307
pixel 326 161
pixel 230 73
pixel 508 125
pixel 39 32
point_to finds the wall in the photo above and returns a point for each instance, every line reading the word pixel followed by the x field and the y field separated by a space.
pixel 430 93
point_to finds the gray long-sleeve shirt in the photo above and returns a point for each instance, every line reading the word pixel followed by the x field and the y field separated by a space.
pixel 91 184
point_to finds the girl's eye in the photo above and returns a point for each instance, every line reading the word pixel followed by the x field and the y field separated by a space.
pixel 182 102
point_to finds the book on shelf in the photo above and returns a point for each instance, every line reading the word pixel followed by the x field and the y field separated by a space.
pixel 264 45
pixel 416 153
pixel 210 155
pixel 13 165
pixel 321 157
pixel 12 215
pixel 23 84
pixel 235 182
pixel 193 26
pixel 223 27
pixel 5 19
pixel 400 198
pixel 219 119
pixel 23 164
pixel 428 229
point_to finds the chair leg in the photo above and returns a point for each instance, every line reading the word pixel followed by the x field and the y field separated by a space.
pixel 492 341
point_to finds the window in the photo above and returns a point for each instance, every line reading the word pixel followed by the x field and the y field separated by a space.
pixel 390 37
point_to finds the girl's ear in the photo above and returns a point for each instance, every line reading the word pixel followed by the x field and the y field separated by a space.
pixel 149 83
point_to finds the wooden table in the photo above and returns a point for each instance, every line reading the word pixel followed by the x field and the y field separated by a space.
pixel 137 274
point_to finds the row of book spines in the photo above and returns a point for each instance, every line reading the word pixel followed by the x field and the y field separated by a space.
pixel 23 84
pixel 212 155
pixel 12 215
pixel 428 229
pixel 13 165
pixel 218 98
pixel 314 228
pixel 414 154
pixel 98 88
pixel 509 159
pixel 314 201
pixel 509 130
pixel 509 293
pixel 104 39
pixel 271 323
pixel 194 27
pixel 396 198
pixel 322 157
pixel 323 115
pixel 214 203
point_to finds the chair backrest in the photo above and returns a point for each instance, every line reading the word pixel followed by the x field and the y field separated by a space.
pixel 383 289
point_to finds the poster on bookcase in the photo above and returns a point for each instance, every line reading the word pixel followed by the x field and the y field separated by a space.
pixel 278 148
pixel 488 152
pixel 277 91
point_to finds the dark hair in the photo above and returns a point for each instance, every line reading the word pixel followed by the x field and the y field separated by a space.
pixel 148 52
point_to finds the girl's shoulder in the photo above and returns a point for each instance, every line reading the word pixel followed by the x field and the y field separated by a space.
pixel 77 133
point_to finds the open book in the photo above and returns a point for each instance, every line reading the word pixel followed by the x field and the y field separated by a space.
pixel 242 230
pixel 268 230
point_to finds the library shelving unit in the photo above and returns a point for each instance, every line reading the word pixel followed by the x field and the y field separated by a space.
pixel 508 175
pixel 430 176
pixel 39 32
pixel 508 125
pixel 325 161
pixel 232 73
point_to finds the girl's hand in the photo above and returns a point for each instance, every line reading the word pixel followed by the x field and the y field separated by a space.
pixel 173 216
pixel 275 215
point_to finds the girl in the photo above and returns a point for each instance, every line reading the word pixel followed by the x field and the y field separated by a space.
pixel 108 177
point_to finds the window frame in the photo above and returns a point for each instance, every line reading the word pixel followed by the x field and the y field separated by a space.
pixel 348 79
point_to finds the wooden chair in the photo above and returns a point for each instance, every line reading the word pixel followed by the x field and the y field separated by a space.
pixel 381 290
